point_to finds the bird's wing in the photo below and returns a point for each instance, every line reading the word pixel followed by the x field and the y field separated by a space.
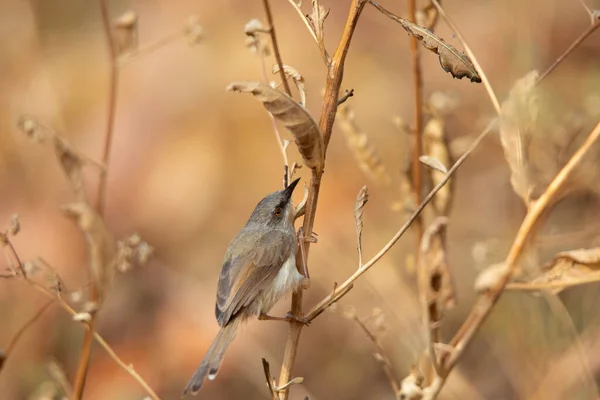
pixel 243 277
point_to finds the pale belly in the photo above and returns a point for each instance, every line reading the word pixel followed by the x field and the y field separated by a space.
pixel 288 279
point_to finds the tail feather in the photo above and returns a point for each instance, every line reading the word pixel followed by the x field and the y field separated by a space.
pixel 209 367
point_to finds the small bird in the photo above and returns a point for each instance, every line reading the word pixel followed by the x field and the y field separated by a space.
pixel 258 269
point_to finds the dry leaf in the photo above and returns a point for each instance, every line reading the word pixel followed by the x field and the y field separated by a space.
pixel 296 77
pixel 361 200
pixel 126 35
pixel 433 163
pixel 569 268
pixel 102 247
pixel 435 148
pixel 317 19
pixel 293 116
pixel 364 153
pixel 71 163
pixel 518 118
pixel 440 289
pixel 254 40
pixel 453 61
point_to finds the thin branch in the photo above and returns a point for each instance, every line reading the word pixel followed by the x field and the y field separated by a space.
pixel 19 333
pixel 486 302
pixel 149 48
pixel 335 295
pixel 471 55
pixel 286 85
pixel 588 11
pixel 335 71
pixel 305 20
pixel 275 128
pixel 537 286
pixel 86 349
pixel 589 30
pixel 385 360
pixel 54 297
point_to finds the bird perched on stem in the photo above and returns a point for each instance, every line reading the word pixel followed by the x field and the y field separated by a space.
pixel 258 269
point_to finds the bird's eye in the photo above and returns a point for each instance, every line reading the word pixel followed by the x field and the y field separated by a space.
pixel 278 212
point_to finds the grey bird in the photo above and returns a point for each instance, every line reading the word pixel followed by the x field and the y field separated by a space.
pixel 258 269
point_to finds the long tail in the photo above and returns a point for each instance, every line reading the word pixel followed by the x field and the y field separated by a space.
pixel 209 367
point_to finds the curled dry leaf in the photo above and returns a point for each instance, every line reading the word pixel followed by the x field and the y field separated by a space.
pixel 298 79
pixel 518 118
pixel 364 152
pixel 317 20
pixel 126 35
pixel 254 40
pixel 437 153
pixel 440 287
pixel 453 61
pixel 433 163
pixel 361 200
pixel 102 247
pixel 293 116
pixel 569 268
pixel 71 163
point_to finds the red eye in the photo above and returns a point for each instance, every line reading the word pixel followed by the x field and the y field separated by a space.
pixel 278 212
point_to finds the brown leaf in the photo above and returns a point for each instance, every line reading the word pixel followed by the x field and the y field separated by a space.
pixel 433 256
pixel 518 118
pixel 569 268
pixel 433 163
pixel 364 152
pixel 101 245
pixel 71 163
pixel 298 79
pixel 254 40
pixel 293 116
pixel 435 147
pixel 361 200
pixel 317 19
pixel 453 61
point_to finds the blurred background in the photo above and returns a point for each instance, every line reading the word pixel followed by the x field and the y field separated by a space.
pixel 189 162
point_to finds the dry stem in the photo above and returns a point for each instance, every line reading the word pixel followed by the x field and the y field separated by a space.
pixel 56 298
pixel 271 28
pixel 86 350
pixel 471 55
pixel 342 289
pixel 19 333
pixel 485 303
pixel 335 73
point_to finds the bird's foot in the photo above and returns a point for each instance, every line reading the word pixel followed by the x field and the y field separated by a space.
pixel 289 317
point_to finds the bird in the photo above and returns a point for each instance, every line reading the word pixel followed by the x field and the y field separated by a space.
pixel 258 269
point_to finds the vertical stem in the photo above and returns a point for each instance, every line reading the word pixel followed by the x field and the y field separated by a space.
pixel 286 85
pixel 335 74
pixel 86 350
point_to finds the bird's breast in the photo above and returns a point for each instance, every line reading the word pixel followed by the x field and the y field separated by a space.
pixel 287 280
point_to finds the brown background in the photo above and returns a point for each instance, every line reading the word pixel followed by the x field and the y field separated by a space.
pixel 190 161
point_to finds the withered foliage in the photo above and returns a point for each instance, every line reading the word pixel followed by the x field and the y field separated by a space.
pixel 364 152
pixel 293 116
pixel 457 63
pixel 518 119
pixel 361 200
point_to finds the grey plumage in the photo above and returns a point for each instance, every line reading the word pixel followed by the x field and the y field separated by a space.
pixel 258 269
